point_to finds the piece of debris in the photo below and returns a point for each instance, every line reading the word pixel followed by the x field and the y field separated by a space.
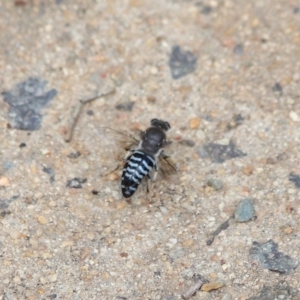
pixel 90 112
pixel 207 287
pixel 4 203
pixel 219 152
pixel 283 291
pixel 94 192
pixel 270 258
pixel 49 171
pixel 181 63
pixel 236 121
pixel 222 227
pixel 238 49
pixel 245 211
pixel 194 288
pixel 74 155
pixel 277 89
pixel 77 110
pixel 26 100
pixel 216 184
pixel 186 142
pixel 125 106
pixel 76 182
pixel 206 10
pixel 295 179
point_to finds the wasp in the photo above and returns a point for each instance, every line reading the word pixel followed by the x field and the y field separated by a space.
pixel 146 158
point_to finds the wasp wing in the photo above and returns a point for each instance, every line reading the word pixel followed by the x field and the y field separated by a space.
pixel 125 140
pixel 115 142
pixel 167 165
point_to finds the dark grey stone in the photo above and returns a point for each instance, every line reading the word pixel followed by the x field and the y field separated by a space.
pixel 206 10
pixel 125 106
pixel 76 183
pixel 219 153
pixel 26 100
pixel 282 292
pixel 277 89
pixel 181 62
pixel 295 179
pixel 74 155
pixel 270 258
pixel 50 172
pixel 4 203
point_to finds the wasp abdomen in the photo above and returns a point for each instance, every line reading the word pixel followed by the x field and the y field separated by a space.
pixel 137 166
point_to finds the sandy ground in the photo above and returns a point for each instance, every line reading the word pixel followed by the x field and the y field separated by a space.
pixel 59 242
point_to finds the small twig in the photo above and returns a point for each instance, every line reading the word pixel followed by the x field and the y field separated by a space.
pixel 193 289
pixel 222 227
pixel 78 109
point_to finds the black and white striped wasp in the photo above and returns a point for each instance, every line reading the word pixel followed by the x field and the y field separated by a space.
pixel 145 157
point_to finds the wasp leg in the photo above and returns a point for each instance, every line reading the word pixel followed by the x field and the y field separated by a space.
pixel 128 153
pixel 149 187
pixel 150 183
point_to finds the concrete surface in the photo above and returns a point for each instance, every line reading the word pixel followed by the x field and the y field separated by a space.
pixel 58 242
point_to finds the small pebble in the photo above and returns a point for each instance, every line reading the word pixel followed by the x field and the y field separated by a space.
pixel 94 192
pixel 14 234
pixel 194 122
pixel 91 236
pixel 207 287
pixel 42 220
pixel 187 142
pixel 125 106
pixel 227 297
pixel 216 184
pixel 245 211
pixel 248 170
pixel 294 116
pixel 238 49
pixel 163 210
pixel 287 229
pixel 206 10
pixel 4 181
pixel 201 295
pixel 52 277
pixel 65 244
pixel 277 89
pixel 74 155
pixel 295 178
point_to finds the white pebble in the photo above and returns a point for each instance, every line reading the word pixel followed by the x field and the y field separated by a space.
pixel 294 116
